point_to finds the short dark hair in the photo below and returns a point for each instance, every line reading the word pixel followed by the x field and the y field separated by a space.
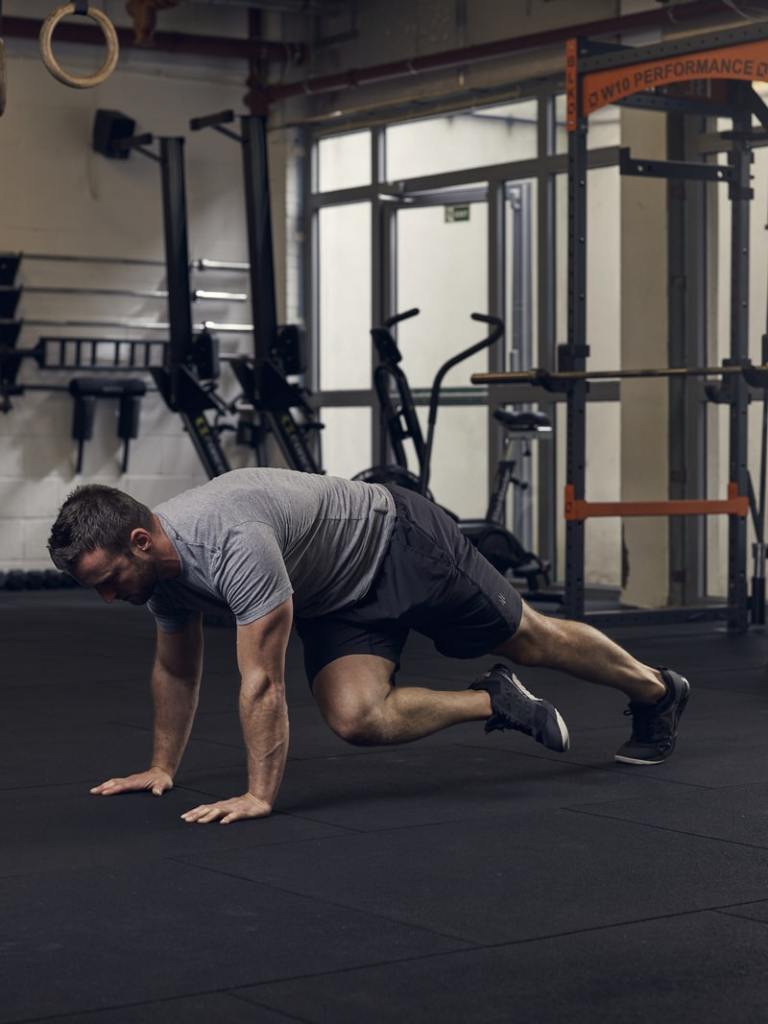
pixel 95 516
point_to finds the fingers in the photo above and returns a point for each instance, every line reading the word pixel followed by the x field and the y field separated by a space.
pixel 110 787
pixel 142 780
pixel 207 813
pixel 203 814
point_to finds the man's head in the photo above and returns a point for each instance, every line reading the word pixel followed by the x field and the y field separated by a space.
pixel 109 541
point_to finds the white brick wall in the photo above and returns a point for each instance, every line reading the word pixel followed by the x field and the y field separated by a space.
pixel 58 196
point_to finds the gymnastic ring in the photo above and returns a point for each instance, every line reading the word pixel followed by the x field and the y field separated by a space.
pixel 3 78
pixel 110 38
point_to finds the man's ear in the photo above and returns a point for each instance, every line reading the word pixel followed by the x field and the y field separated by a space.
pixel 141 539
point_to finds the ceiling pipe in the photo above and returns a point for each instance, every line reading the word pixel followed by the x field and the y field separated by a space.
pixel 679 14
pixel 286 6
pixel 165 42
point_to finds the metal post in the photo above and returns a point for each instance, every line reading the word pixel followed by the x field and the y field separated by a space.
pixel 379 282
pixel 740 159
pixel 497 263
pixel 522 342
pixel 311 264
pixel 259 221
pixel 383 455
pixel 546 490
pixel 577 331
pixel 687 347
pixel 176 258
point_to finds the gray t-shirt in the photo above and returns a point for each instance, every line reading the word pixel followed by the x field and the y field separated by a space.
pixel 249 539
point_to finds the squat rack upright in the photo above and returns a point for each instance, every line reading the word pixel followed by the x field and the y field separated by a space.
pixel 598 74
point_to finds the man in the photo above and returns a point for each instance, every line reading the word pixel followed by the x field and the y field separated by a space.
pixel 356 566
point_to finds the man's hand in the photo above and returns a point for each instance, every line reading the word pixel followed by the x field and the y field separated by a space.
pixel 236 809
pixel 156 779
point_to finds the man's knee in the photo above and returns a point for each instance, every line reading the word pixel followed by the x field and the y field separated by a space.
pixel 360 727
pixel 351 693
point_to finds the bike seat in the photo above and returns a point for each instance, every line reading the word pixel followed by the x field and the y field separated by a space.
pixel 527 420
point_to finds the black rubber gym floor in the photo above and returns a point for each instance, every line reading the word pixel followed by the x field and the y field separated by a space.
pixel 461 878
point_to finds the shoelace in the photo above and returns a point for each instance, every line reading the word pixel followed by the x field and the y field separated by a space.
pixel 649 726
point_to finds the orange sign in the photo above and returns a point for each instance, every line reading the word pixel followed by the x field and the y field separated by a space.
pixel 747 61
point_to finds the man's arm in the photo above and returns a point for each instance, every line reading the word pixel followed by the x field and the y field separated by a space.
pixel 176 677
pixel 175 685
pixel 261 647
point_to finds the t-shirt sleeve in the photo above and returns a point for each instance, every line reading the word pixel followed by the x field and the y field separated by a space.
pixel 251 575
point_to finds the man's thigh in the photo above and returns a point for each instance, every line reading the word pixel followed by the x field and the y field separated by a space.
pixel 362 631
pixel 458 598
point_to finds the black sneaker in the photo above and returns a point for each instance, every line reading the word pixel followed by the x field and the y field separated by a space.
pixel 515 708
pixel 654 726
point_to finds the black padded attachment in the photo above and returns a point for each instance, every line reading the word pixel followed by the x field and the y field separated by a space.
pixel 85 391
pixel 287 350
pixel 110 129
pixel 203 354
pixel 526 420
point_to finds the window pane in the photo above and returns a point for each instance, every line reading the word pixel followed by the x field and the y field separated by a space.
pixel 490 135
pixel 459 477
pixel 603 265
pixel 346 440
pixel 442 270
pixel 345 296
pixel 344 161
pixel 521 276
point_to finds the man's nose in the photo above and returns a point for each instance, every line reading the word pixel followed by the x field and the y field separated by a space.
pixel 106 594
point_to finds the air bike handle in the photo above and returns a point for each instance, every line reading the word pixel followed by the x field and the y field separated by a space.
pixel 391 321
pixel 434 397
pixel 491 339
pixel 498 326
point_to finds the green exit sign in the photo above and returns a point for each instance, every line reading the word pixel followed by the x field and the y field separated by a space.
pixel 456 213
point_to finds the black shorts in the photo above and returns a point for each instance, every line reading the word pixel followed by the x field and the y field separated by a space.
pixel 432 580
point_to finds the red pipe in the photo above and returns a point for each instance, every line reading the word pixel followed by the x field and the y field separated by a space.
pixel 489 51
pixel 167 42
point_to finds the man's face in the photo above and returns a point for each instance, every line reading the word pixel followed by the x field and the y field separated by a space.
pixel 128 577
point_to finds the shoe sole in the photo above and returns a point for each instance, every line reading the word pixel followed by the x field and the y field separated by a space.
pixel 565 739
pixel 623 759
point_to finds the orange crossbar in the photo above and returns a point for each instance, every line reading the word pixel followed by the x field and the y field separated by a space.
pixel 578 509
pixel 588 92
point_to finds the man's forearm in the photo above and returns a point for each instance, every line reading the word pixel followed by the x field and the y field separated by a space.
pixel 264 719
pixel 175 702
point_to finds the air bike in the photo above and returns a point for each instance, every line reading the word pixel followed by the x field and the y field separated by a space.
pixel 401 423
